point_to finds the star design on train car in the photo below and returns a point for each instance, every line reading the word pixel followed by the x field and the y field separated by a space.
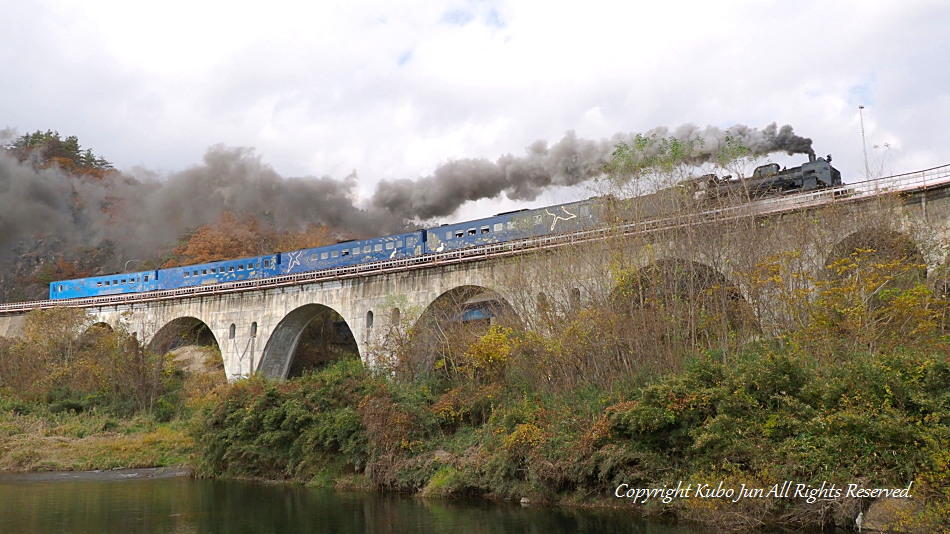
pixel 294 258
pixel 558 217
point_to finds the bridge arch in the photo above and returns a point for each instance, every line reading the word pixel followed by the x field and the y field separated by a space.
pixel 881 244
pixel 310 336
pixel 453 320
pixel 95 332
pixel 180 332
pixel 674 303
pixel 97 326
pixel 189 338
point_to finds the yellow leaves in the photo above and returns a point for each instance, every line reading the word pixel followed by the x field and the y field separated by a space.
pixel 493 348
pixel 488 356
pixel 525 439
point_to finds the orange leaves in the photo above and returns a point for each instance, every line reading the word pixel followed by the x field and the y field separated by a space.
pixel 231 237
pixel 241 236
pixel 311 237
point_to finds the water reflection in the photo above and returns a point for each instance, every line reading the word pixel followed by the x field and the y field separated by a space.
pixel 186 506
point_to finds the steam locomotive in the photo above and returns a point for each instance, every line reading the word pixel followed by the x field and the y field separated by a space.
pixel 766 180
pixel 816 173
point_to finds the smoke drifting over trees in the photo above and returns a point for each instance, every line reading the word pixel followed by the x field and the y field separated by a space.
pixel 570 161
pixel 142 218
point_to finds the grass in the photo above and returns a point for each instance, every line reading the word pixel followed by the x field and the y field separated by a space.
pixel 44 441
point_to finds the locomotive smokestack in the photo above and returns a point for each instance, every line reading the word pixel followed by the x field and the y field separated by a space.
pixel 811 157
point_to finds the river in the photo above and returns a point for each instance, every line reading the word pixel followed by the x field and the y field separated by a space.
pixel 158 502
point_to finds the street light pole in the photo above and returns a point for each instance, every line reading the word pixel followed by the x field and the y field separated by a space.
pixel 864 143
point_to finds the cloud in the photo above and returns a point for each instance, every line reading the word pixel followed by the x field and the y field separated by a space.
pixel 397 91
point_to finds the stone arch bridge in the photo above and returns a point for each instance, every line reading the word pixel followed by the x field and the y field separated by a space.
pixel 259 325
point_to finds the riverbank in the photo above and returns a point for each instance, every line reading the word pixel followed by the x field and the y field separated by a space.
pixel 41 441
pixel 816 442
pixel 740 444
pixel 785 432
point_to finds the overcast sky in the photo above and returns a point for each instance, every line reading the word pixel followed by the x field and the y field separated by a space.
pixel 394 89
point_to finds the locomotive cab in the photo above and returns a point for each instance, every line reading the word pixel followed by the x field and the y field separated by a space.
pixel 763 171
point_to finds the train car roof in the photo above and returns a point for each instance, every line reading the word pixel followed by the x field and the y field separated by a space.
pixel 107 276
pixel 219 262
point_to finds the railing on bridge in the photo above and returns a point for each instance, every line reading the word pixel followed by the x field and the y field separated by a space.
pixel 915 181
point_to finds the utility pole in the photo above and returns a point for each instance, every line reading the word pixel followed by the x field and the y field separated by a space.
pixel 864 143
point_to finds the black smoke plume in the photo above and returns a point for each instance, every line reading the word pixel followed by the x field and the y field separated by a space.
pixel 570 161
pixel 144 217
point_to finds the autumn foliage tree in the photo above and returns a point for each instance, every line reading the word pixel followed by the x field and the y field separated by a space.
pixel 49 149
pixel 64 361
pixel 241 236
pixel 230 237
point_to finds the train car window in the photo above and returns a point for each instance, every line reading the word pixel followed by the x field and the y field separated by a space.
pixel 60 287
pixel 146 278
pixel 123 281
pixel 378 247
pixel 186 274
pixel 459 233
pixel 335 254
pixel 204 271
pixel 471 231
pixel 266 263
pixel 230 269
pixel 356 250
pixel 250 266
pixel 323 255
pixel 240 267
pixel 390 245
pixel 499 227
pixel 410 241
pixel 98 284
pixel 399 243
pixel 346 252
pixel 107 282
pixel 448 235
pixel 485 229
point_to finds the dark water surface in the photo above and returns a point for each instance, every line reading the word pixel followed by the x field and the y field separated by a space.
pixel 130 502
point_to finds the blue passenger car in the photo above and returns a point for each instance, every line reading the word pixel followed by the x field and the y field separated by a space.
pixel 113 284
pixel 219 272
pixel 503 227
pixel 353 253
